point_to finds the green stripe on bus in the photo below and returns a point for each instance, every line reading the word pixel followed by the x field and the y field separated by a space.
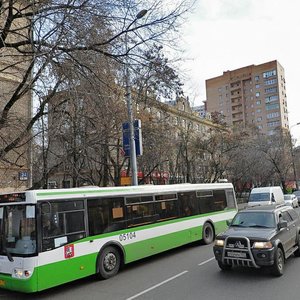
pixel 80 192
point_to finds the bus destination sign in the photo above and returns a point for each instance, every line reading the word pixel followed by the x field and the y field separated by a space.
pixel 13 197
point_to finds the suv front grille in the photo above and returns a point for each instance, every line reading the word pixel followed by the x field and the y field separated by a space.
pixel 237 251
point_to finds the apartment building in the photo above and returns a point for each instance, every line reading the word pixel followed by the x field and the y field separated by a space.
pixel 251 95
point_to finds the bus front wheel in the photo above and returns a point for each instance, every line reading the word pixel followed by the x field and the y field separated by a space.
pixel 108 263
pixel 208 233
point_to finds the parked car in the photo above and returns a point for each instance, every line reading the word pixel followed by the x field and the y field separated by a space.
pixel 291 200
pixel 297 194
pixel 260 236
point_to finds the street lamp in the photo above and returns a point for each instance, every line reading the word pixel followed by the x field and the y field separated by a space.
pixel 133 163
pixel 293 158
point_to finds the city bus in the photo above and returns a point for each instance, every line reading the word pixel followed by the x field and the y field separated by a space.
pixel 50 237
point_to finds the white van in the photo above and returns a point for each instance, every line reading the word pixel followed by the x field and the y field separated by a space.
pixel 266 195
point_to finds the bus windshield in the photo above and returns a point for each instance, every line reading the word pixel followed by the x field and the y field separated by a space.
pixel 17 230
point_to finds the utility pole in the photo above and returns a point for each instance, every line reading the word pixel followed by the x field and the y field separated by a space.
pixel 133 162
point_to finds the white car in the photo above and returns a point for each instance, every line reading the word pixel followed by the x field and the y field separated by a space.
pixel 291 200
pixel 297 194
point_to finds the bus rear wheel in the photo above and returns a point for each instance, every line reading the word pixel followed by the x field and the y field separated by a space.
pixel 208 234
pixel 108 263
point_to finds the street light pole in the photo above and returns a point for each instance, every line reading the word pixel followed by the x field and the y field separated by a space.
pixel 293 159
pixel 133 162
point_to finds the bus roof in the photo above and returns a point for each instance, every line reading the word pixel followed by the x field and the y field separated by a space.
pixel 94 191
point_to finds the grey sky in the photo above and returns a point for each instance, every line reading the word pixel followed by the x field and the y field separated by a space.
pixel 225 35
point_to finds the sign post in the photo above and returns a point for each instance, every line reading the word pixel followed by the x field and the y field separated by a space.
pixel 137 138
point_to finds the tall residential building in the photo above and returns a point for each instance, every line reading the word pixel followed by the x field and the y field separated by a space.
pixel 252 95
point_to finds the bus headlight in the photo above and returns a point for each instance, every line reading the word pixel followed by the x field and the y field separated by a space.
pixel 219 243
pixel 21 274
pixel 262 245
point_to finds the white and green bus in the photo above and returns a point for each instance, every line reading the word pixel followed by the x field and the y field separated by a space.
pixel 50 237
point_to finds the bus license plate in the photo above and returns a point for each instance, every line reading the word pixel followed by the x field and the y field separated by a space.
pixel 2 283
pixel 237 254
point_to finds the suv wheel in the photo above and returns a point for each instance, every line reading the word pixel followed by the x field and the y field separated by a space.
pixel 224 267
pixel 277 268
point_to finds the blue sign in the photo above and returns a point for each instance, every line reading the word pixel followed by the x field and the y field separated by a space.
pixel 137 137
pixel 23 175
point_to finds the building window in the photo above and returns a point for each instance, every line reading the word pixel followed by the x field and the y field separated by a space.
pixel 273 115
pixel 66 184
pixel 271 99
pixel 258 102
pixel 270 82
pixel 257 78
pixel 257 86
pixel 273 124
pixel 259 119
pixel 271 90
pixel 269 74
pixel 52 184
pixel 257 94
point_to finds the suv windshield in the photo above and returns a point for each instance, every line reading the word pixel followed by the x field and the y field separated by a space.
pixel 17 230
pixel 254 219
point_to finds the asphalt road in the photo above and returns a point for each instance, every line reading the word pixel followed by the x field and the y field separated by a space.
pixel 188 273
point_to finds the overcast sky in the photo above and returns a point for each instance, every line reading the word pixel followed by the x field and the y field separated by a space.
pixel 225 35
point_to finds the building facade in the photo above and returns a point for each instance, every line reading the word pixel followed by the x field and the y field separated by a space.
pixel 15 163
pixel 177 114
pixel 254 95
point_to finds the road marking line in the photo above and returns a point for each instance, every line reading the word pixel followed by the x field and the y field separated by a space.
pixel 157 285
pixel 206 261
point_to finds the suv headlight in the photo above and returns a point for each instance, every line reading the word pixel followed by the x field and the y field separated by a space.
pixel 219 243
pixel 262 245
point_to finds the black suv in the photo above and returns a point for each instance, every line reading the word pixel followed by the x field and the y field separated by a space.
pixel 261 236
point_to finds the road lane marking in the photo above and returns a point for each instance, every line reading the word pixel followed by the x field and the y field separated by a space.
pixel 206 261
pixel 157 285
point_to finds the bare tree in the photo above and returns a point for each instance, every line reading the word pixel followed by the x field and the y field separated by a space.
pixel 277 150
pixel 40 38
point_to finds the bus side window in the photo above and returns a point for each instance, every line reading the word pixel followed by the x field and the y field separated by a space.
pixel 96 220
pixel 219 202
pixel 106 215
pixel 166 209
pixel 116 214
pixel 188 204
pixel 138 214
